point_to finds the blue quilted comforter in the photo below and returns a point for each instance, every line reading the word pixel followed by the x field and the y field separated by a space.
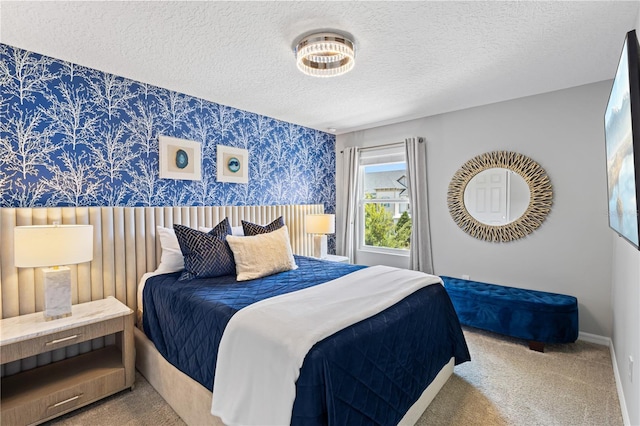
pixel 368 373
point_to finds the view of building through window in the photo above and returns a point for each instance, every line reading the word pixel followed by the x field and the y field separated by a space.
pixel 387 217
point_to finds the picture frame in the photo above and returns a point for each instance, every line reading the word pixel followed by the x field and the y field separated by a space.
pixel 179 159
pixel 232 164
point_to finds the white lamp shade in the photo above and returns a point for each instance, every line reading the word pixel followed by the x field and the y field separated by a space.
pixel 52 245
pixel 320 223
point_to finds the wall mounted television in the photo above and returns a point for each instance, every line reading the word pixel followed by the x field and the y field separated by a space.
pixel 622 140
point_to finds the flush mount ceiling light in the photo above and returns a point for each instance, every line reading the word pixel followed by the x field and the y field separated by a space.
pixel 325 54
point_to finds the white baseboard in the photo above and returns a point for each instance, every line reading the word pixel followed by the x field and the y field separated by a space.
pixel 594 338
pixel 616 374
pixel 602 340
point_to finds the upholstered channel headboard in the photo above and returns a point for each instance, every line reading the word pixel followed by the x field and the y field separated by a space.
pixel 124 247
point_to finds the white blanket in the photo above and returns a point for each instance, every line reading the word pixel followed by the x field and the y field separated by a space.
pixel 264 344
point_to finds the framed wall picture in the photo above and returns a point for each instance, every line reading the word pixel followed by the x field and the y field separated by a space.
pixel 180 159
pixel 232 164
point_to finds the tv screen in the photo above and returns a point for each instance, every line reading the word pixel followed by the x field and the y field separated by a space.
pixel 622 140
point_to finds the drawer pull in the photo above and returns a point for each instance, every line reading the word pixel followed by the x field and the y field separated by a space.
pixel 64 339
pixel 66 401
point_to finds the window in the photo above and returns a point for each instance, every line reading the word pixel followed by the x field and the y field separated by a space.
pixel 385 216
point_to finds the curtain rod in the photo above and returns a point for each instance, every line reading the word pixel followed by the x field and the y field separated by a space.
pixel 386 145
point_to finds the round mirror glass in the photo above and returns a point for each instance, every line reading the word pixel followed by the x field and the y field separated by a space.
pixel 496 196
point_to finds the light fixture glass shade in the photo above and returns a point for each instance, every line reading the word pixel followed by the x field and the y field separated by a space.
pixel 52 245
pixel 320 223
pixel 325 54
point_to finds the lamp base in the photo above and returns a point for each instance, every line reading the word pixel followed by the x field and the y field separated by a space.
pixel 57 293
pixel 320 246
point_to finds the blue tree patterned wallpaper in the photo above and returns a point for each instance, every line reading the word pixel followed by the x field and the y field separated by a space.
pixel 75 136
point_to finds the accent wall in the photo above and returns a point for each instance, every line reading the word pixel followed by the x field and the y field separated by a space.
pixel 75 136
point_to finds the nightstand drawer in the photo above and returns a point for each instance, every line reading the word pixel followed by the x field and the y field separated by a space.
pixel 57 388
pixel 38 345
pixel 62 401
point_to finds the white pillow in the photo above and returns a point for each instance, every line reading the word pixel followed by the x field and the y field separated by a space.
pixel 261 255
pixel 171 259
pixel 235 230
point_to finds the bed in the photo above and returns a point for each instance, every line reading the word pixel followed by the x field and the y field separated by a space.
pixel 126 247
pixel 370 368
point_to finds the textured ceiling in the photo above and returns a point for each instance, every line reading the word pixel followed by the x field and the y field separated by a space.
pixel 413 59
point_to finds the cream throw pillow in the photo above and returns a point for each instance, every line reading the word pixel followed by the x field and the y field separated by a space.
pixel 261 255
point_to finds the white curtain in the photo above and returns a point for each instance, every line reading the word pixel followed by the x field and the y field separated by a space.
pixel 347 225
pixel 420 258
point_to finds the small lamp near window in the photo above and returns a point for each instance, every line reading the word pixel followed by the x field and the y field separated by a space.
pixel 320 225
pixel 51 246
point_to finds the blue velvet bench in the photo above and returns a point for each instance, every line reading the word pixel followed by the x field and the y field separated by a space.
pixel 536 316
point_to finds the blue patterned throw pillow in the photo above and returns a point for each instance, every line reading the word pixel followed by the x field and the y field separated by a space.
pixel 205 254
pixel 251 229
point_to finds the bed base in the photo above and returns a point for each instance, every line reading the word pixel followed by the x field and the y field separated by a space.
pixel 188 398
pixel 416 410
pixel 192 402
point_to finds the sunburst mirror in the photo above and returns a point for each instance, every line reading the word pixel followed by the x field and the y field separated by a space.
pixel 500 196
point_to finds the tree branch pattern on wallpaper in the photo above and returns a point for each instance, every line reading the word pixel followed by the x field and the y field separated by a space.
pixel 75 136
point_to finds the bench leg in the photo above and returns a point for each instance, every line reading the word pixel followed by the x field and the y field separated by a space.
pixel 536 346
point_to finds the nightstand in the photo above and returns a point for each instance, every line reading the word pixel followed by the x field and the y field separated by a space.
pixel 34 396
pixel 334 258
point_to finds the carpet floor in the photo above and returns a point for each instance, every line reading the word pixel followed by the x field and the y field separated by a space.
pixel 504 384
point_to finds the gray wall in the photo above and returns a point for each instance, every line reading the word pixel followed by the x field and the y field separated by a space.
pixel 563 131
pixel 626 321
pixel 626 315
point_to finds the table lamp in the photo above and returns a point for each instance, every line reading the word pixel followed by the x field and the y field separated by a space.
pixel 320 225
pixel 51 246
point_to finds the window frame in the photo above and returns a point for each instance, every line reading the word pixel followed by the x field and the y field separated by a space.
pixel 362 201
